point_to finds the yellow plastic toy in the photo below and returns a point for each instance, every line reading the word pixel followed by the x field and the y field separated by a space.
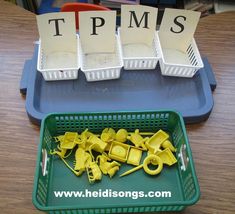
pixel 60 152
pixel 131 170
pixel 81 159
pixel 167 144
pixel 96 144
pixel 145 133
pixel 154 143
pixel 108 147
pixel 119 151
pixel 84 137
pixel 159 151
pixel 59 138
pixel 108 135
pixel 70 140
pixel 150 159
pixel 121 135
pixel 106 167
pixel 134 156
pixel 154 160
pixel 167 157
pixel 137 139
pixel 93 172
pixel 75 172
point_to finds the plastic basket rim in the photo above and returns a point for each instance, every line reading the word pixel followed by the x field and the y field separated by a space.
pixel 120 59
pixel 150 204
pixel 141 58
pixel 201 64
pixel 56 69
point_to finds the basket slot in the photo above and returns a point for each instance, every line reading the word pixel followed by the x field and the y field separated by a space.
pixel 165 68
pixel 111 74
pixel 53 75
pixel 151 63
pixel 60 75
pixel 190 51
pixel 186 72
pixel 64 75
pixel 45 75
pixel 194 61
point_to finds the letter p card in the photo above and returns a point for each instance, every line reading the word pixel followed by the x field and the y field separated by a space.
pixel 177 28
pixel 97 31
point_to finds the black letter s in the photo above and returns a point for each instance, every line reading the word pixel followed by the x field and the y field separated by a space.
pixel 179 24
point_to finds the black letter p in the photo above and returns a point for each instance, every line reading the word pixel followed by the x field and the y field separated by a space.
pixel 96 24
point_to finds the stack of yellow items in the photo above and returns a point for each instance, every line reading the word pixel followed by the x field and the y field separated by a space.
pixel 113 147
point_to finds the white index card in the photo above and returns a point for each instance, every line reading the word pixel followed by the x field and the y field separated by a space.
pixel 57 32
pixel 138 24
pixel 177 28
pixel 97 31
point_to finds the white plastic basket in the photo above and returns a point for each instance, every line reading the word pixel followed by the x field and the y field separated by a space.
pixel 102 66
pixel 135 59
pixel 192 59
pixel 59 72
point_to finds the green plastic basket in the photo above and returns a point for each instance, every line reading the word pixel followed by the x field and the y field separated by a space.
pixel 52 175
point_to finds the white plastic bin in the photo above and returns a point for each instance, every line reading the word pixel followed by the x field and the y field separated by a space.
pixel 178 63
pixel 140 56
pixel 57 66
pixel 102 66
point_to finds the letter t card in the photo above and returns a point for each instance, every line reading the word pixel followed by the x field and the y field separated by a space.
pixel 57 32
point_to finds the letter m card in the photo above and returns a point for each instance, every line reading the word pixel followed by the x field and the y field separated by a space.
pixel 97 31
pixel 138 24
pixel 57 32
pixel 177 28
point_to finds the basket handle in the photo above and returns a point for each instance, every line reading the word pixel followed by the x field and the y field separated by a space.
pixel 24 77
pixel 183 157
pixel 44 162
pixel 210 74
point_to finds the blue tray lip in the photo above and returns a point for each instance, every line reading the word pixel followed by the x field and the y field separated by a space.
pixel 189 117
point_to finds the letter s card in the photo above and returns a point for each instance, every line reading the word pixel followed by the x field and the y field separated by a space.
pixel 177 28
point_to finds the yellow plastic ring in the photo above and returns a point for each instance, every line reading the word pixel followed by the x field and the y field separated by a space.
pixel 155 160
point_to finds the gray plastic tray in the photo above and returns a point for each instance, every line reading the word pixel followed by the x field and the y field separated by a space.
pixel 134 91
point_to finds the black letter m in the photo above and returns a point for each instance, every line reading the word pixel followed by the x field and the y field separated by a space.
pixel 145 17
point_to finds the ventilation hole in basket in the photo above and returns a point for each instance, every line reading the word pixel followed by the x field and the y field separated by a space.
pixel 190 53
pixel 61 71
pixel 194 61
